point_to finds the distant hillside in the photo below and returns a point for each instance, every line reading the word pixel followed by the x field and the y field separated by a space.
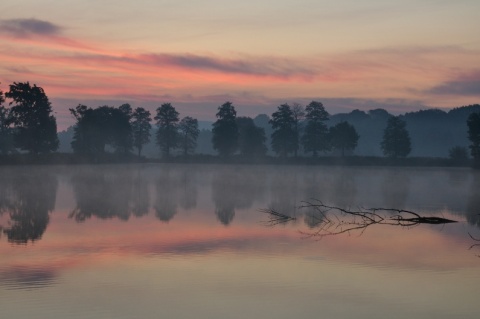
pixel 433 132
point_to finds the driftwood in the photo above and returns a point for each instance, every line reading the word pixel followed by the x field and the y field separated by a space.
pixel 332 220
pixel 275 218
pixel 474 245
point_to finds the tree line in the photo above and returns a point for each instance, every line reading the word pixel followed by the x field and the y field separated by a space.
pixel 27 124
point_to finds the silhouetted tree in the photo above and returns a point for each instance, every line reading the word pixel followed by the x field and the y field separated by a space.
pixel 141 128
pixel 225 130
pixel 473 123
pixel 96 128
pixel 458 155
pixel 343 136
pixel 167 134
pixel 396 140
pixel 89 135
pixel 283 136
pixel 315 137
pixel 188 128
pixel 35 126
pixel 204 142
pixel 298 116
pixel 126 109
pixel 123 141
pixel 251 140
pixel 6 138
pixel 263 121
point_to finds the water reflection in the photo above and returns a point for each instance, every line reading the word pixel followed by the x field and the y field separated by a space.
pixel 27 197
pixel 168 188
pixel 284 191
pixel 140 195
pixel 236 189
pixel 395 188
pixel 345 188
pixel 170 265
pixel 27 278
pixel 473 206
pixel 189 188
pixel 103 194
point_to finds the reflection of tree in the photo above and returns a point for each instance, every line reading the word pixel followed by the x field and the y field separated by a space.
pixel 395 188
pixel 28 198
pixel 140 196
pixel 236 189
pixel 473 206
pixel 284 188
pixel 312 218
pixel 167 196
pixel 225 212
pixel 189 193
pixel 106 194
pixel 224 195
pixel 344 188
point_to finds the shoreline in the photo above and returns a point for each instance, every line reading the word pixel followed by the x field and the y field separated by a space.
pixel 108 158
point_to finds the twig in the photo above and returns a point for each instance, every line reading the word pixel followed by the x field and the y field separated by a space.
pixel 336 220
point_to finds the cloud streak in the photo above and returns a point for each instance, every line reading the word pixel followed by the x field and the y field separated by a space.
pixel 399 78
pixel 258 66
pixel 468 84
pixel 23 28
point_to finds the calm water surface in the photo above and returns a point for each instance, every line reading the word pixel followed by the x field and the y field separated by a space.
pixel 168 241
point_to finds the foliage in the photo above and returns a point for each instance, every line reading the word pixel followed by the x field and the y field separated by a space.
pixel 298 116
pixel 283 136
pixel 6 138
pixel 97 128
pixel 251 141
pixel 458 155
pixel 189 132
pixel 225 130
pixel 473 123
pixel 396 140
pixel 141 128
pixel 35 126
pixel 167 134
pixel 122 129
pixel 343 136
pixel 315 137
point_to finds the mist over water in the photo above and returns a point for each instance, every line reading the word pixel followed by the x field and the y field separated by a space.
pixel 29 195
pixel 195 233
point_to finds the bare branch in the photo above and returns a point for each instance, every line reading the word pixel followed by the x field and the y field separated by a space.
pixel 332 220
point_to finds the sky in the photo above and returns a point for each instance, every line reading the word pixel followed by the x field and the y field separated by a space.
pixel 349 54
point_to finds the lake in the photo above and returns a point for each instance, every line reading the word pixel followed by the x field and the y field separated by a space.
pixel 191 241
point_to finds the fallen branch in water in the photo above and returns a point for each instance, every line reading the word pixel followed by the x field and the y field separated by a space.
pixel 332 220
pixel 474 245
pixel 276 218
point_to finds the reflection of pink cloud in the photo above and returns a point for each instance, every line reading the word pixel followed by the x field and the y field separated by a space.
pixel 78 245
